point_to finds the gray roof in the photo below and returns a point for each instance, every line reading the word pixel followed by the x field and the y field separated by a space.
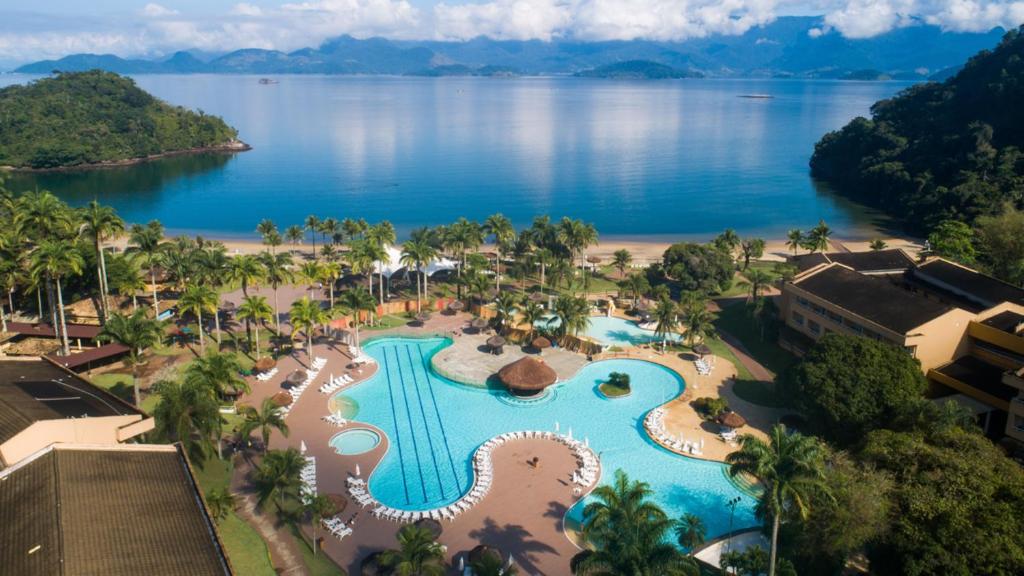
pixel 119 512
pixel 964 282
pixel 875 261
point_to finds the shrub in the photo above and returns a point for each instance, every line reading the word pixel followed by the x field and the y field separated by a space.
pixel 709 408
pixel 619 380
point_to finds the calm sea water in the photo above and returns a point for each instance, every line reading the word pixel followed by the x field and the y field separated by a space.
pixel 655 158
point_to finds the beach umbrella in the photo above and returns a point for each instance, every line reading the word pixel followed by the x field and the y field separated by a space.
pixel 265 364
pixel 456 305
pixel 540 343
pixel 594 259
pixel 702 350
pixel 228 306
pixel 495 342
pixel 478 553
pixel 339 501
pixel 731 419
pixel 478 323
pixel 302 446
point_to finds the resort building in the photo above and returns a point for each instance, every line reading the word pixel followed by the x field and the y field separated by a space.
pixel 78 497
pixel 965 328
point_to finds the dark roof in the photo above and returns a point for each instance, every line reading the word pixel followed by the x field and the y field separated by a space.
pixel 34 390
pixel 976 286
pixel 980 375
pixel 86 331
pixel 1007 321
pixel 113 512
pixel 105 352
pixel 892 260
pixel 874 298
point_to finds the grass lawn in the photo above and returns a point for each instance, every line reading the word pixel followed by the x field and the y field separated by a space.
pixel 734 320
pixel 612 391
pixel 388 321
pixel 319 565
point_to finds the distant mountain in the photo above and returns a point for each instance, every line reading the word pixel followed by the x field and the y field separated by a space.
pixel 463 70
pixel 637 70
pixel 787 47
pixel 869 74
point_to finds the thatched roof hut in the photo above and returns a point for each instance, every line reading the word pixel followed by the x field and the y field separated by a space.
pixel 282 399
pixel 527 376
pixel 265 364
pixel 495 342
pixel 702 349
pixel 732 420
pixel 541 343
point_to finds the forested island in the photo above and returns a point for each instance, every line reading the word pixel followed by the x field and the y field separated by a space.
pixel 938 151
pixel 79 119
pixel 638 70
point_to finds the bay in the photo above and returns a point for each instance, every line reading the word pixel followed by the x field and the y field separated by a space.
pixel 639 159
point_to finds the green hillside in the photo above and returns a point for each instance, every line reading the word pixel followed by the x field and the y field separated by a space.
pixel 81 118
pixel 938 151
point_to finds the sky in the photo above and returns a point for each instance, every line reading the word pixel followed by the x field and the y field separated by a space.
pixel 38 29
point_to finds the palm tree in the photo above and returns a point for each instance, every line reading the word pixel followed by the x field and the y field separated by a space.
pixel 628 533
pixel 878 244
pixel 217 372
pixel 198 299
pixel 256 310
pixel 789 467
pixel 417 554
pixel 310 273
pixel 221 503
pixel 635 284
pixel 478 285
pixel 727 241
pixel 697 320
pixel 147 244
pixel 500 227
pixel 40 216
pixel 187 413
pixel 621 259
pixel 362 257
pixel 757 280
pixel 532 313
pixel 357 300
pixel 577 236
pixel 267 419
pixel 463 235
pixel 542 257
pixel 795 239
pixel 380 237
pixel 574 313
pixel 305 315
pixel 278 476
pixel 277 271
pixel 101 223
pixel 690 531
pixel 506 306
pixel 329 274
pixel 415 253
pixel 245 269
pixel 312 226
pixel 751 248
pixel 268 231
pixel 666 313
pixel 293 234
pixel 135 332
pixel 54 260
pixel 818 237
pixel 492 565
pixel 319 507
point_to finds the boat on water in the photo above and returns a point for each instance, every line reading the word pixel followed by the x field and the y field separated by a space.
pixel 757 96
pixel 268 81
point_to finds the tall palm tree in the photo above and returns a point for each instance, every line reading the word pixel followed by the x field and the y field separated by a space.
pixel 189 414
pixel 576 236
pixel 277 269
pixel 147 244
pixel 463 235
pixel 135 332
pixel 198 299
pixel 790 467
pixel 310 273
pixel 492 565
pixel 621 260
pixel 697 320
pixel 357 300
pixel 795 239
pixel 293 234
pixel 54 260
pixel 245 269
pixel 818 237
pixel 728 241
pixel 381 236
pixel 329 274
pixel 574 313
pixel 267 419
pixel 268 231
pixel 362 256
pixel 757 281
pixel 279 477
pixel 506 305
pixel 666 313
pixel 477 284
pixel 221 503
pixel 637 285
pixel 312 226
pixel 416 253
pixel 532 313
pixel 417 554
pixel 500 227
pixel 319 507
pixel 100 223
pixel 305 315
pixel 39 215
pixel 217 371
pixel 628 533
pixel 690 531
pixel 542 258
pixel 255 309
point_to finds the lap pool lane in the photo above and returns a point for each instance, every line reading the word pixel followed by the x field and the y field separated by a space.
pixel 435 425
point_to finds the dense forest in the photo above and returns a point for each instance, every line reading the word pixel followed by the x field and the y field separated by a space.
pixel 81 118
pixel 938 151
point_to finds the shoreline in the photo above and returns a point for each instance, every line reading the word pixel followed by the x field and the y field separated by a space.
pixel 228 148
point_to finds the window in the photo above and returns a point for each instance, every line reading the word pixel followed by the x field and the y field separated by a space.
pixel 802 301
pixel 798 318
pixel 912 350
pixel 814 326
pixel 835 317
pixel 853 326
pixel 820 311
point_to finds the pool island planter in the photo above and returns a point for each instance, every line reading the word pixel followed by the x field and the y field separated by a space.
pixel 604 386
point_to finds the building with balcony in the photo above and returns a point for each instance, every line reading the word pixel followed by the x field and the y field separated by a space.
pixel 965 328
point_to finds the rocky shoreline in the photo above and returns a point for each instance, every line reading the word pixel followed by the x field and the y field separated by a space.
pixel 231 147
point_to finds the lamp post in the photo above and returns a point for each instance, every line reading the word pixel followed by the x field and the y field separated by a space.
pixel 732 512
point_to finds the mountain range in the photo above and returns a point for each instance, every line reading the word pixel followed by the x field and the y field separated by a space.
pixel 789 46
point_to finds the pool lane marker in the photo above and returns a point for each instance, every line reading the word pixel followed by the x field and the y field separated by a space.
pixel 394 417
pixel 426 424
pixel 412 432
pixel 440 421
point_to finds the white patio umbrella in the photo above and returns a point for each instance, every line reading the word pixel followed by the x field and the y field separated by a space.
pixel 556 426
pixel 358 472
pixel 570 434
pixel 302 446
pixel 462 564
pixel 586 441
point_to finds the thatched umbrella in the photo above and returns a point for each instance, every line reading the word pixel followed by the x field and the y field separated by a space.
pixel 594 259
pixel 265 364
pixel 430 524
pixel 282 399
pixel 228 307
pixel 479 323
pixel 339 502
pixel 731 419
pixel 527 376
pixel 456 305
pixel 423 316
pixel 295 378
pixel 495 342
pixel 478 553
pixel 371 565
pixel 702 350
pixel 540 343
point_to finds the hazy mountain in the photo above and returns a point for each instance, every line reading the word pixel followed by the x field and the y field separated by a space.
pixel 790 46
pixel 637 70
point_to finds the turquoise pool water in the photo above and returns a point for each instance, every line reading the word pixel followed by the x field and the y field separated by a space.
pixel 435 425
pixel 611 331
pixel 357 441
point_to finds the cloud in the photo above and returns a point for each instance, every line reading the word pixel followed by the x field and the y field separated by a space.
pixel 245 9
pixel 153 10
pixel 867 18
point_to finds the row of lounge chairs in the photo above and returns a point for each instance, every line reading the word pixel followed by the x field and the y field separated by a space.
pixel 337 527
pixel 335 419
pixel 358 357
pixel 703 367
pixel 296 391
pixel 308 475
pixel 335 383
pixel 655 424
pixel 268 375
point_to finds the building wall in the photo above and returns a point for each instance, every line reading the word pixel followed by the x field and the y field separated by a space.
pixel 96 430
pixel 942 340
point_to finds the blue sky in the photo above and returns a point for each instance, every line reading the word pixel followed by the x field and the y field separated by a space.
pixel 36 29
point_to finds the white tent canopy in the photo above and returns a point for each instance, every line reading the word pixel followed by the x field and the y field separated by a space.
pixel 394 264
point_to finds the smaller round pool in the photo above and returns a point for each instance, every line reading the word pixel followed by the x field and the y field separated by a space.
pixel 356 441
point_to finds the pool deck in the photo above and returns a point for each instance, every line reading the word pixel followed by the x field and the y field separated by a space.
pixel 468 361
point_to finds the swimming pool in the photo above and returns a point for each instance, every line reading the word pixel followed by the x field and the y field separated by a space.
pixel 434 425
pixel 355 441
pixel 612 331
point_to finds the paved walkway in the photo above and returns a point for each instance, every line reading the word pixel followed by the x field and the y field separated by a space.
pixel 468 360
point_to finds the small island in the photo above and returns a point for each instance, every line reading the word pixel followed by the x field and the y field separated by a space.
pixel 92 119
pixel 616 386
pixel 638 70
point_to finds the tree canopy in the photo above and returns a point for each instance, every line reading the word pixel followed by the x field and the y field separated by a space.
pixel 698 267
pixel 82 118
pixel 937 151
